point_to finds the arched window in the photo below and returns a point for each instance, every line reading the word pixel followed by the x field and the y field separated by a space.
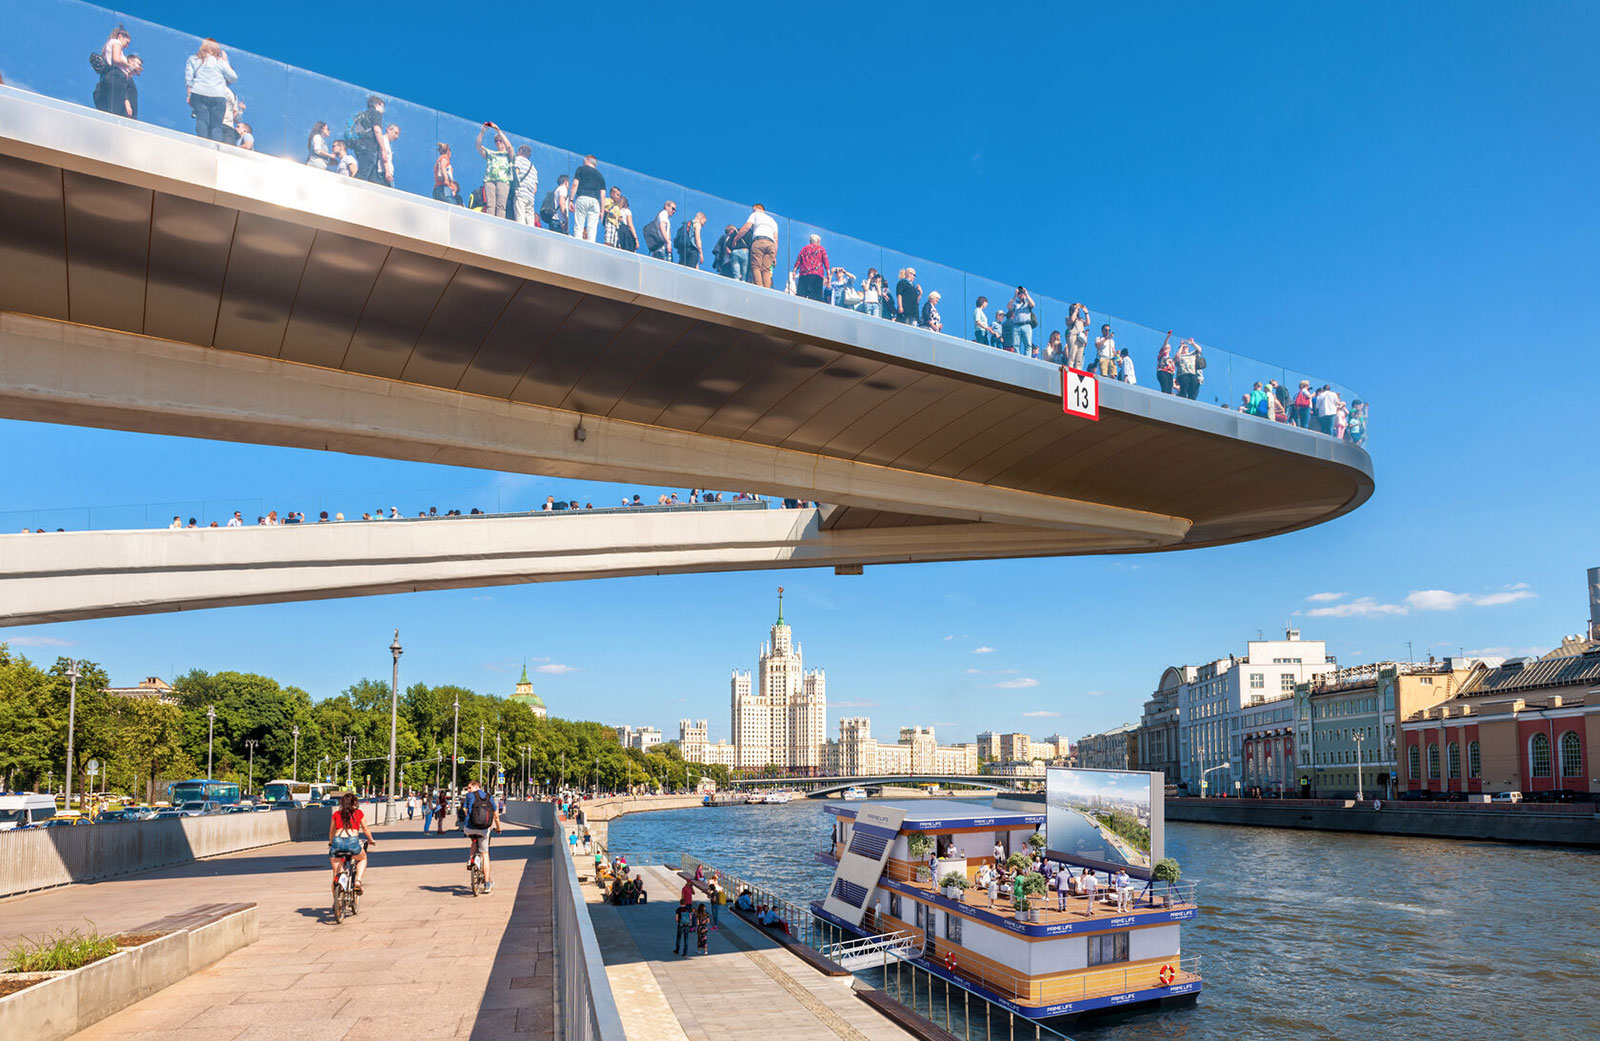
pixel 1571 755
pixel 1433 762
pixel 1474 762
pixel 1413 762
pixel 1454 754
pixel 1539 755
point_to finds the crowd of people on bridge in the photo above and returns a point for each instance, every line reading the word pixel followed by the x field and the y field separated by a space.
pixel 584 205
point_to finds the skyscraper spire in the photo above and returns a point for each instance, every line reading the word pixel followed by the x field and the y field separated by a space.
pixel 780 605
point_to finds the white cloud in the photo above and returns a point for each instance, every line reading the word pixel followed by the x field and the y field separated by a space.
pixel 1018 683
pixel 947 639
pixel 1505 652
pixel 945 723
pixel 1421 600
pixel 1361 607
pixel 37 641
pixel 854 703
pixel 555 669
pixel 985 649
pixel 1041 714
pixel 1094 693
pixel 1322 598
pixel 974 672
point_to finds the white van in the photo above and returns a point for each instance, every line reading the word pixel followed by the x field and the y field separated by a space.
pixel 20 811
pixel 1507 796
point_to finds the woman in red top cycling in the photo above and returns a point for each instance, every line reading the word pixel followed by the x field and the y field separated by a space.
pixel 345 831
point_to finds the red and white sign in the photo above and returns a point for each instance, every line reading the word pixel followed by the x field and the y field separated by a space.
pixel 1080 393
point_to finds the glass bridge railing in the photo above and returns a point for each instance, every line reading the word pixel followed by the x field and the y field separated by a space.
pixel 45 48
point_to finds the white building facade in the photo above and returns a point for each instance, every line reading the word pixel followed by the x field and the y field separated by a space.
pixel 858 754
pixel 696 746
pixel 1213 699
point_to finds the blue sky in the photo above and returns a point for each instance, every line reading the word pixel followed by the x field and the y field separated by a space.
pixel 1399 198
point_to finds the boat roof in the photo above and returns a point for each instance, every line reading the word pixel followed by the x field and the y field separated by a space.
pixel 932 814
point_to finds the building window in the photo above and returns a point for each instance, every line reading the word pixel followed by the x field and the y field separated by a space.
pixel 1107 948
pixel 919 915
pixel 952 928
pixel 1539 755
pixel 1413 762
pixel 1454 750
pixel 1287 682
pixel 1433 762
pixel 1257 680
pixel 1474 763
pixel 1571 754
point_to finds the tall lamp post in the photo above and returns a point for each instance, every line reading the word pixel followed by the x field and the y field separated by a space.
pixel 72 717
pixel 480 751
pixel 394 716
pixel 296 732
pixel 1359 790
pixel 1214 769
pixel 211 732
pixel 455 738
pixel 250 778
pixel 349 761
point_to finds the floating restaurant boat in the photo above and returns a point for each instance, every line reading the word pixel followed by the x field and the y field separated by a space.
pixel 853 794
pixel 1044 964
pixel 777 798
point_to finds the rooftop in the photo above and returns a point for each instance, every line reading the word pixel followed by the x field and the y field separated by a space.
pixel 944 813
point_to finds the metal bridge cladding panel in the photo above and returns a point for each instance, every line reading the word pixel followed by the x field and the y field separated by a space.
pixel 767 391
pixel 810 398
pixel 469 308
pixel 712 365
pixel 334 287
pixel 572 349
pixel 33 250
pixel 518 335
pixel 615 376
pixel 869 390
pixel 108 241
pixel 1014 437
pixel 404 297
pixel 907 393
pixel 189 246
pixel 264 268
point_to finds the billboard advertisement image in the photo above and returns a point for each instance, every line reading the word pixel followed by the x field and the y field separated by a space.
pixel 1105 819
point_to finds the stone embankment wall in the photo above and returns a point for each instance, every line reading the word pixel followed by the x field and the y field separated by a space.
pixel 1552 824
pixel 41 858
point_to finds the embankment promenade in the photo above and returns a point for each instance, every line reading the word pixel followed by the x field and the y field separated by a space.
pixel 1541 823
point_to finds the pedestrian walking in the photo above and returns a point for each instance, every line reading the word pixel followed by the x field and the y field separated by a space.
pixel 427 814
pixel 714 899
pixel 1090 885
pixel 683 921
pixel 411 806
pixel 702 928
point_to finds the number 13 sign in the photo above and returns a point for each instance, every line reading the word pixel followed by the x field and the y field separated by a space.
pixel 1080 393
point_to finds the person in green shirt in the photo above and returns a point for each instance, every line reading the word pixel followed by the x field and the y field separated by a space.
pixel 496 171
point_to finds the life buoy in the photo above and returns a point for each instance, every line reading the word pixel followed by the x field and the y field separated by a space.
pixel 1166 975
pixel 950 960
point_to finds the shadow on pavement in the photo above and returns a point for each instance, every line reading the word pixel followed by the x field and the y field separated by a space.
pixel 520 983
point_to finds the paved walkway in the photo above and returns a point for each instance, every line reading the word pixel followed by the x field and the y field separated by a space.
pixel 424 958
pixel 748 988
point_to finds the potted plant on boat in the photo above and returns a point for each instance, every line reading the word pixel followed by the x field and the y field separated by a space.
pixel 1031 885
pixel 920 845
pixel 1167 870
pixel 1036 842
pixel 1019 903
pixel 954 883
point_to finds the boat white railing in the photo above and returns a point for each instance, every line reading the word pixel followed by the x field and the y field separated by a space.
pixel 869 950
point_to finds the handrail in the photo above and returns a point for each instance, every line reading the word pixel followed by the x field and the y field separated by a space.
pixel 282 105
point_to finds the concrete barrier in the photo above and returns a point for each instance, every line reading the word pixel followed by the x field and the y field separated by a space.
pixel 42 858
pixel 1543 824
pixel 64 1003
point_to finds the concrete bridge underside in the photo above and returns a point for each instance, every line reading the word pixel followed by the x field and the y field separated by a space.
pixel 821 787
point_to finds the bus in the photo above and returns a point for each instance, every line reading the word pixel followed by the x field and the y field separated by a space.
pixel 225 793
pixel 283 792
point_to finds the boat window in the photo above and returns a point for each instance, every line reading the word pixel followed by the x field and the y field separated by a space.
pixel 1108 947
pixel 894 906
pixel 952 927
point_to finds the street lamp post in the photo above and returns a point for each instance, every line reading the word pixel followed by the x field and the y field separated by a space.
pixel 211 733
pixel 250 778
pixel 1214 769
pixel 349 761
pixel 320 761
pixel 72 718
pixel 295 730
pixel 1359 789
pixel 394 717
pixel 480 751
pixel 455 736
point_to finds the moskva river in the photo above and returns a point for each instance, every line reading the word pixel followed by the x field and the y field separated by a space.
pixel 1304 934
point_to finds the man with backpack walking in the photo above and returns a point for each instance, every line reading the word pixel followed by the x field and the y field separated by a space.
pixel 688 244
pixel 478 816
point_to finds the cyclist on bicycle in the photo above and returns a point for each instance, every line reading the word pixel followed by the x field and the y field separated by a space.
pixel 345 831
pixel 478 815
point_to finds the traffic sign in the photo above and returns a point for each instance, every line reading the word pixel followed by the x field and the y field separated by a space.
pixel 500 779
pixel 1080 393
pixel 93 767
pixel 461 758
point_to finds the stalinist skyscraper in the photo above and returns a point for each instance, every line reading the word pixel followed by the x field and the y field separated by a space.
pixel 783 722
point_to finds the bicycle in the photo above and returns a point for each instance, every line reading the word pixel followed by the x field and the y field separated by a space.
pixel 345 897
pixel 475 868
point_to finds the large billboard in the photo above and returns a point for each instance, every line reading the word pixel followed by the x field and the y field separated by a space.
pixel 1105 819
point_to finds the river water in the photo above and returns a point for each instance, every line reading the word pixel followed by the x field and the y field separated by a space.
pixel 1305 934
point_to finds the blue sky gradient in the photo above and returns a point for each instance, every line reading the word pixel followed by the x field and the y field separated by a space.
pixel 1399 198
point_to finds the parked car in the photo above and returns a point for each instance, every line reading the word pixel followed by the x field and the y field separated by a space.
pixel 1507 797
pixel 1417 796
pixel 193 808
pixel 25 810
